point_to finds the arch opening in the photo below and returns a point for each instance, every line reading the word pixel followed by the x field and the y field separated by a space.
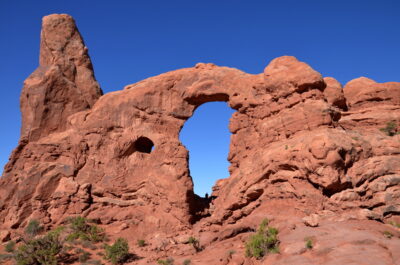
pixel 207 138
pixel 143 145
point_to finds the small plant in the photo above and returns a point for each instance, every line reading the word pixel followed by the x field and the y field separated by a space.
pixel 231 252
pixel 309 243
pixel 186 262
pixel 263 242
pixel 81 229
pixel 117 253
pixel 390 129
pixel 33 228
pixel 10 246
pixel 96 234
pixel 395 224
pixel 388 234
pixel 44 250
pixel 195 243
pixel 141 243
pixel 168 261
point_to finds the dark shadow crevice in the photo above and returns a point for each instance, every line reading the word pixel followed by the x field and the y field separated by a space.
pixel 141 145
pixel 199 207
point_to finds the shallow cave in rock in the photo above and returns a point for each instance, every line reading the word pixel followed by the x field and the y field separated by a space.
pixel 143 145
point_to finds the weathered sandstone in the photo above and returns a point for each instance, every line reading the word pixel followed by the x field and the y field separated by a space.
pixel 305 153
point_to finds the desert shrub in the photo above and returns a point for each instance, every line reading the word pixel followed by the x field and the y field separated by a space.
pixel 141 242
pixel 168 261
pixel 33 228
pixel 195 243
pixel 96 234
pixel 186 262
pixel 263 242
pixel 81 229
pixel 118 252
pixel 309 243
pixel 44 250
pixel 388 234
pixel 395 224
pixel 390 129
pixel 231 252
pixel 10 246
pixel 78 223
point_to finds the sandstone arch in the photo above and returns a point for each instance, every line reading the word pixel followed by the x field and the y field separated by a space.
pixel 207 137
pixel 299 143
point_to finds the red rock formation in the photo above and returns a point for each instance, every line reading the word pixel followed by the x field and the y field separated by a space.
pixel 304 152
pixel 62 85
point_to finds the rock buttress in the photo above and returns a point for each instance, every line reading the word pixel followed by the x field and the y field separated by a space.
pixel 62 85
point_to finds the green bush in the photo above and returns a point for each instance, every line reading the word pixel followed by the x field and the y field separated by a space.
pixel 141 243
pixel 388 234
pixel 263 242
pixel 186 262
pixel 81 229
pixel 96 234
pixel 309 243
pixel 195 243
pixel 395 224
pixel 33 228
pixel 231 252
pixel 169 261
pixel 390 129
pixel 44 250
pixel 117 253
pixel 10 247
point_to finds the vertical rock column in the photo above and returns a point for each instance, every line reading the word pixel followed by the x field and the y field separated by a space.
pixel 62 85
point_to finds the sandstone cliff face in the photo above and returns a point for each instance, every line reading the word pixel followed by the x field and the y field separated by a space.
pixel 304 151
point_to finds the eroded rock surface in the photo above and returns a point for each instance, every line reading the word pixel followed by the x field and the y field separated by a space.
pixel 305 153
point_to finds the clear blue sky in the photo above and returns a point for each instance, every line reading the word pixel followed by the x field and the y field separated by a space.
pixel 132 40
